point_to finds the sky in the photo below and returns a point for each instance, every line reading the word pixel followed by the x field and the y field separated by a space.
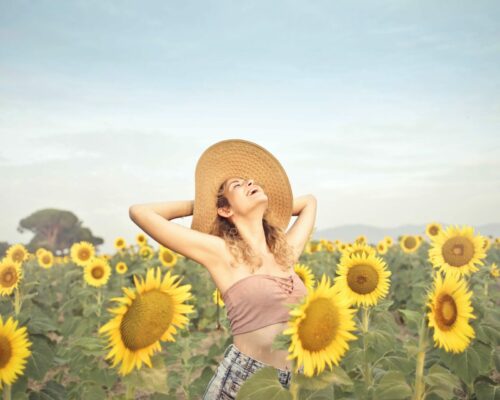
pixel 388 112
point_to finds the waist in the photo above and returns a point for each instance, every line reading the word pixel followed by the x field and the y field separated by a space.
pixel 258 345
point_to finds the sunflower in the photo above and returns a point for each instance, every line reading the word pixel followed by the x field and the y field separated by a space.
pixel 450 313
pixel 46 259
pixel 409 243
pixel 97 271
pixel 388 240
pixel 82 253
pixel 456 251
pixel 433 229
pixel 121 268
pixel 141 239
pixel 14 350
pixel 217 296
pixel 361 239
pixel 358 248
pixel 363 279
pixel 320 328
pixel 145 317
pixel 316 247
pixel 39 251
pixel 494 271
pixel 146 252
pixel 11 274
pixel 167 257
pixel 305 273
pixel 342 247
pixel 17 253
pixel 382 247
pixel 486 244
pixel 330 247
pixel 120 243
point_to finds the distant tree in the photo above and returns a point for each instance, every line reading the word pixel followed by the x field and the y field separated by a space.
pixel 56 230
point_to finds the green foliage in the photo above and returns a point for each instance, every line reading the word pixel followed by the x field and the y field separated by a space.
pixel 263 384
pixel 393 386
pixel 62 316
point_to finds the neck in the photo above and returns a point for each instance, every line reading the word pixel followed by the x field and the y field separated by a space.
pixel 253 233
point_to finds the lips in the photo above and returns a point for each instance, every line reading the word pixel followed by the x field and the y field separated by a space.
pixel 254 190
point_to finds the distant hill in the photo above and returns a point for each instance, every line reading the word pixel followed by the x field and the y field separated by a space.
pixel 347 233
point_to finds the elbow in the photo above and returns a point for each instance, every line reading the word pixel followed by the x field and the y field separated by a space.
pixel 132 210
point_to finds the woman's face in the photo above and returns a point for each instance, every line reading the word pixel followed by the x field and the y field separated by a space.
pixel 239 193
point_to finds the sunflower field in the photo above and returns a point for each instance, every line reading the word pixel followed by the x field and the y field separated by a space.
pixel 413 318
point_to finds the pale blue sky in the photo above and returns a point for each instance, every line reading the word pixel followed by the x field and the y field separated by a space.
pixel 388 111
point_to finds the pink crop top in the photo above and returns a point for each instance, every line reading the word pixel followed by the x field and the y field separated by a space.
pixel 257 300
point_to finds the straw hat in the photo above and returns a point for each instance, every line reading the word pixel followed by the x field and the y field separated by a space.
pixel 240 158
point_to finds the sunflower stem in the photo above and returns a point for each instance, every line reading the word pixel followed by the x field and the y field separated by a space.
pixel 419 370
pixel 99 303
pixel 17 301
pixel 364 327
pixel 130 393
pixel 7 392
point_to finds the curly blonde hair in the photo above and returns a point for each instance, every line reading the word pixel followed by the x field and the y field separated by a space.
pixel 241 250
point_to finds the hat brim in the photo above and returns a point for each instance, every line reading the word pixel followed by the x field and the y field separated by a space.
pixel 233 158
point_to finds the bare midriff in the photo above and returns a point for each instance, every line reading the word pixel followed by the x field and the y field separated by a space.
pixel 258 345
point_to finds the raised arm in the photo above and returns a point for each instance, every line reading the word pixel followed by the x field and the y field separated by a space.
pixel 154 219
pixel 305 208
pixel 170 209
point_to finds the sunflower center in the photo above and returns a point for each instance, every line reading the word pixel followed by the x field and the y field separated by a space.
pixel 18 256
pixel 147 319
pixel 320 326
pixel 9 277
pixel 97 272
pixel 410 242
pixel 167 256
pixel 5 351
pixel 433 230
pixel 362 278
pixel 46 259
pixel 446 312
pixel 84 254
pixel 458 251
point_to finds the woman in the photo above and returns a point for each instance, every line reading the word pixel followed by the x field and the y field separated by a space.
pixel 243 204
